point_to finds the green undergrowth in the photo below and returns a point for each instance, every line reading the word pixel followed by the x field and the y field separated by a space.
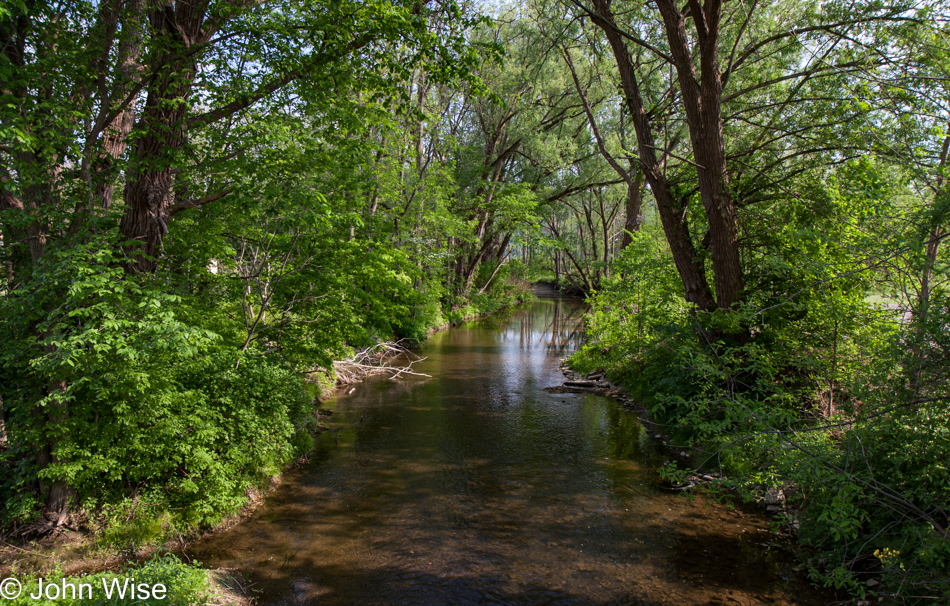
pixel 321 382
pixel 170 426
pixel 807 394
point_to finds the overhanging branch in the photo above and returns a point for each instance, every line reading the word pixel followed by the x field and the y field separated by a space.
pixel 195 203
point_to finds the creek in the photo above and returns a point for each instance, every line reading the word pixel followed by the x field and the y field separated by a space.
pixel 476 486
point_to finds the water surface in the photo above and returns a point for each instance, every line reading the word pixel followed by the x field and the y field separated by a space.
pixel 476 486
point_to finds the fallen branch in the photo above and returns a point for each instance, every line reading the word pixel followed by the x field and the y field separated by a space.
pixel 377 360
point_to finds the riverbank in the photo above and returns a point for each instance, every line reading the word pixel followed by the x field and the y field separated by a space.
pixel 750 416
pixel 77 547
pixel 477 482
pixel 430 470
pixel 519 293
pixel 685 469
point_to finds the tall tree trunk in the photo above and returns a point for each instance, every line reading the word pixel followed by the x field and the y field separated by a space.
pixel 933 248
pixel 38 198
pixel 634 211
pixel 632 177
pixel 672 212
pixel 116 133
pixel 57 492
pixel 702 100
pixel 500 256
pixel 149 189
pixel 935 234
pixel 39 173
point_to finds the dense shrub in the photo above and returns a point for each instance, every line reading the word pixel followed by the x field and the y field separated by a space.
pixel 148 410
pixel 198 437
pixel 158 416
pixel 816 399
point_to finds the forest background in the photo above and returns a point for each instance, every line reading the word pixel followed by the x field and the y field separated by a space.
pixel 205 203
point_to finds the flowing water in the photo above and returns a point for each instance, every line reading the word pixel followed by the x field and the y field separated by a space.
pixel 476 486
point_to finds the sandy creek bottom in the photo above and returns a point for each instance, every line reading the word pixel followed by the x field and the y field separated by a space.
pixel 475 486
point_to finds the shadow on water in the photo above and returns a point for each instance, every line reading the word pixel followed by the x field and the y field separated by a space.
pixel 478 487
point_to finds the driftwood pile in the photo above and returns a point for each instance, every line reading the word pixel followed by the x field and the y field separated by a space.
pixel 394 359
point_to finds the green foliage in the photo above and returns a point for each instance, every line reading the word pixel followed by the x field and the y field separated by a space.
pixel 160 399
pixel 154 404
pixel 393 166
pixel 637 311
pixel 202 435
pixel 805 386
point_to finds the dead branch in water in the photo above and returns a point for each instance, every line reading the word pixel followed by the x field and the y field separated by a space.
pixel 377 360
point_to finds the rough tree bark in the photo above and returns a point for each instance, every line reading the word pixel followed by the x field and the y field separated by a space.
pixel 634 210
pixel 149 197
pixel 702 100
pixel 181 30
pixel 672 212
pixel 122 101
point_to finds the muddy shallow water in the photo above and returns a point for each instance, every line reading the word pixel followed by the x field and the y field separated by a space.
pixel 476 486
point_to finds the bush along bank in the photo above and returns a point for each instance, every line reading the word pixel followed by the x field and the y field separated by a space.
pixel 815 414
pixel 172 431
pixel 510 293
pixel 154 465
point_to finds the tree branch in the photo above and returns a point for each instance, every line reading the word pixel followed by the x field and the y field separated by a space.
pixel 600 19
pixel 246 101
pixel 186 204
